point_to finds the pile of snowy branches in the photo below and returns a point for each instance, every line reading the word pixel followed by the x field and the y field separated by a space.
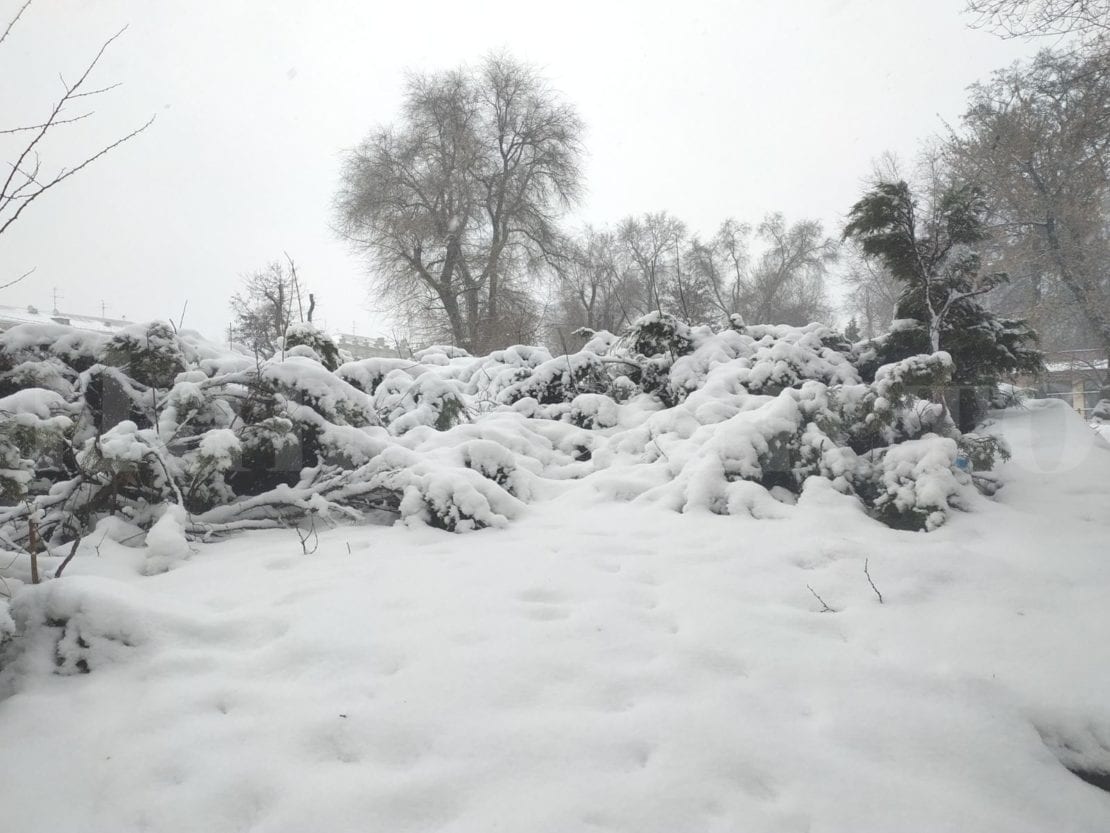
pixel 167 433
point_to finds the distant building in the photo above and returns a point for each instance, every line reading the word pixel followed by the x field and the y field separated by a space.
pixel 1078 377
pixel 364 347
pixel 13 316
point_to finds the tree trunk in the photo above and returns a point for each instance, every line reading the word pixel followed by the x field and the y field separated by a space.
pixel 454 316
pixel 1091 309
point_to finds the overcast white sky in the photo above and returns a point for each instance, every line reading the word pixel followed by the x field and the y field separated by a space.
pixel 704 108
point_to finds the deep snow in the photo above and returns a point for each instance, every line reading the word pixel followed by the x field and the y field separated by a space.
pixel 594 666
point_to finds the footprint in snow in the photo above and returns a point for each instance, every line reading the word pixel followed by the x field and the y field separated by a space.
pixel 543 604
pixel 540 595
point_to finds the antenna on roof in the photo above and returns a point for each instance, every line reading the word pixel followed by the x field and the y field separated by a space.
pixel 56 297
pixel 103 309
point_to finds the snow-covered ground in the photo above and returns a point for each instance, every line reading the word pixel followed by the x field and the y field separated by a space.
pixel 594 666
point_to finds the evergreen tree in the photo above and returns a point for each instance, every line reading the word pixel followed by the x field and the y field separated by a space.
pixel 851 332
pixel 933 250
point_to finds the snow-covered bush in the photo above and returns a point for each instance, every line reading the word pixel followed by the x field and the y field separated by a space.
pixel 75 349
pixel 561 379
pixel 33 428
pixel 163 429
pixel 1101 412
pixel 917 482
pixel 426 400
pixel 151 354
pixel 658 334
pixel 367 374
pixel 320 345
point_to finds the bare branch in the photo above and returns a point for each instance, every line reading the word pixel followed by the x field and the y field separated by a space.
pixel 40 126
pixel 22 187
pixel 824 607
pixel 1040 18
pixel 867 573
pixel 67 173
pixel 26 274
pixel 14 20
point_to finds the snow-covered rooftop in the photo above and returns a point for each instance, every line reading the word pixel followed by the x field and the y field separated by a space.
pixel 1065 367
pixel 12 316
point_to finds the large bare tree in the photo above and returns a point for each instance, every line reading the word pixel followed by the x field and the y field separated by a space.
pixel 1036 139
pixel 1026 18
pixel 26 176
pixel 456 200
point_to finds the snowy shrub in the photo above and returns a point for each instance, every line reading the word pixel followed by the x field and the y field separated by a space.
pixel 166 431
pixel 151 354
pixel 301 381
pixel 203 470
pixel 367 374
pixel 126 459
pixel 1009 396
pixel 1101 412
pixel 916 482
pixel 982 451
pixel 319 343
pixel 426 400
pixel 593 410
pixel 658 334
pixel 49 374
pixel 33 426
pixel 440 354
pixel 560 380
pixel 76 349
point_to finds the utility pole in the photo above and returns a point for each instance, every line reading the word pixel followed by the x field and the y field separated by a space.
pixel 56 297
pixel 103 309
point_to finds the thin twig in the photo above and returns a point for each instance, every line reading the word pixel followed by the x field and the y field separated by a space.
pixel 824 607
pixel 68 558
pixel 310 535
pixel 10 130
pixel 867 573
pixel 14 20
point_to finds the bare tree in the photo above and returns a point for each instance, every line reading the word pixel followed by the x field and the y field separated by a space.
pixel 873 292
pixel 669 267
pixel 786 284
pixel 702 280
pixel 456 201
pixel 1036 139
pixel 651 244
pixel 1026 18
pixel 27 177
pixel 596 289
pixel 270 300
